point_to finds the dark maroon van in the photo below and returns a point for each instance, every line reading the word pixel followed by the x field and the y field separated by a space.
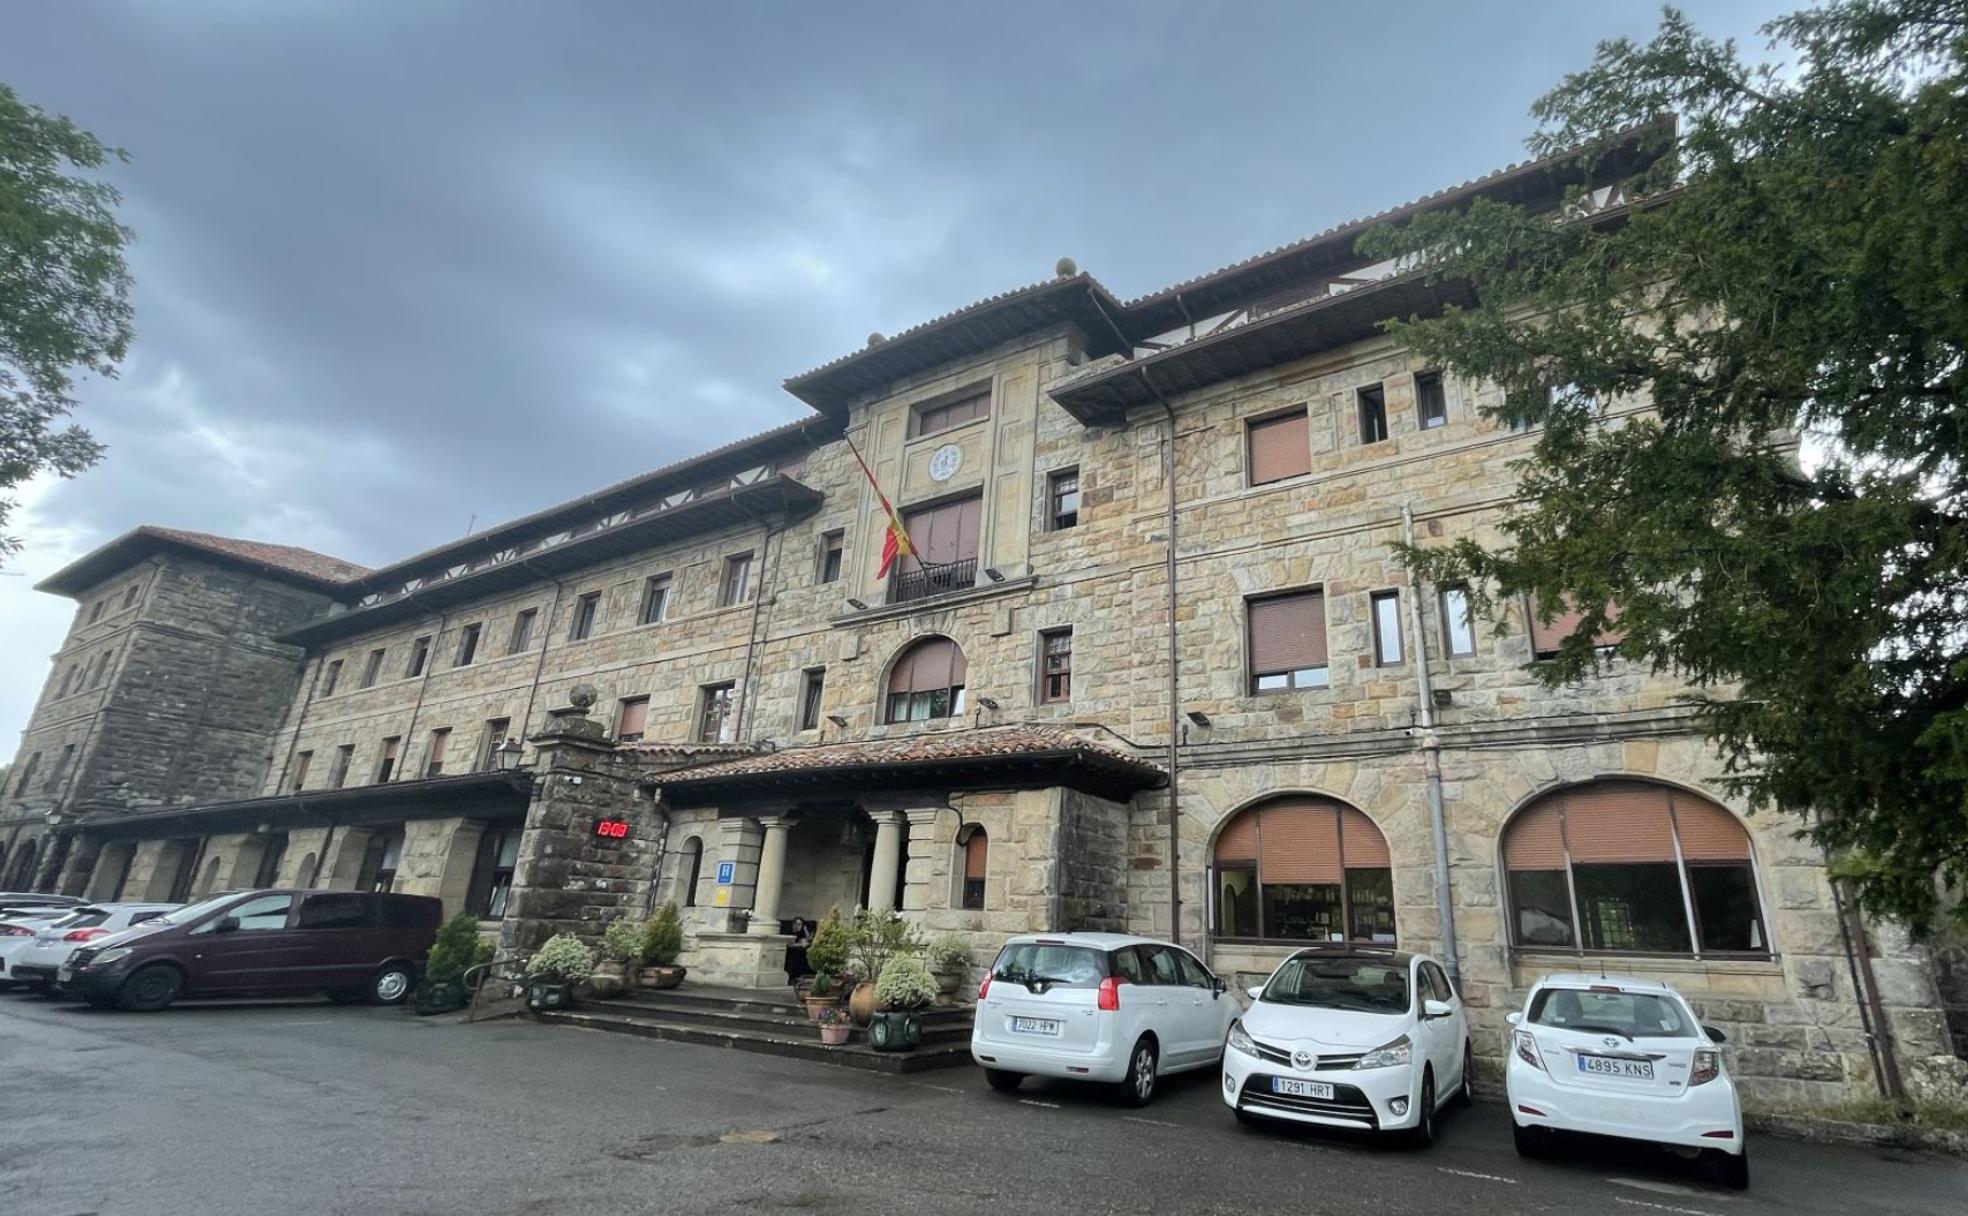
pixel 352 945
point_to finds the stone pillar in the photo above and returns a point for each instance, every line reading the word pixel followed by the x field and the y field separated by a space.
pixel 79 866
pixel 111 870
pixel 340 869
pixel 932 840
pixel 771 875
pixel 740 842
pixel 888 859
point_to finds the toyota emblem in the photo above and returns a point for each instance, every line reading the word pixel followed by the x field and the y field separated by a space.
pixel 1304 1061
pixel 1610 1041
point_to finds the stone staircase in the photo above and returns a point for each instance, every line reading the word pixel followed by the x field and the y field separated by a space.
pixel 769 1022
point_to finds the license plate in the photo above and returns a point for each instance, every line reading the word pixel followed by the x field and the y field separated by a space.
pixel 1608 1066
pixel 1035 1026
pixel 64 975
pixel 1302 1089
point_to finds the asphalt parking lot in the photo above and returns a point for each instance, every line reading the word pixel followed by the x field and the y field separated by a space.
pixel 305 1107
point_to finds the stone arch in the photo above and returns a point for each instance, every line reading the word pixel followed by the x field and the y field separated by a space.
pixel 924 681
pixel 1324 872
pixel 304 873
pixel 208 882
pixel 23 869
pixel 689 869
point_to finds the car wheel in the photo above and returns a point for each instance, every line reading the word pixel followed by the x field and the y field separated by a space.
pixel 1002 1081
pixel 1423 1133
pixel 1465 1094
pixel 1531 1141
pixel 1138 1087
pixel 1732 1169
pixel 391 984
pixel 150 989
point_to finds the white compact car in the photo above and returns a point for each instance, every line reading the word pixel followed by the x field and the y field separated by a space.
pixel 36 964
pixel 1098 1007
pixel 17 933
pixel 1626 1058
pixel 1351 1036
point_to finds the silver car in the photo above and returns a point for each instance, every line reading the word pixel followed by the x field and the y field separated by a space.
pixel 36 963
pixel 17 931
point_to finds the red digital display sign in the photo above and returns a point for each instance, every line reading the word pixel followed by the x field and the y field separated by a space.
pixel 612 829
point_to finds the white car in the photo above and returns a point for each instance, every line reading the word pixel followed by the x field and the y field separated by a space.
pixel 1098 1007
pixel 17 932
pixel 1357 1037
pixel 1622 1057
pixel 36 963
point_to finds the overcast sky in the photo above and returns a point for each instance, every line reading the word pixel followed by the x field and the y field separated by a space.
pixel 401 266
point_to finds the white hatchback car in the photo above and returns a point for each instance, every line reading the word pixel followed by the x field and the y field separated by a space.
pixel 37 963
pixel 1098 1007
pixel 1622 1057
pixel 1351 1036
pixel 17 933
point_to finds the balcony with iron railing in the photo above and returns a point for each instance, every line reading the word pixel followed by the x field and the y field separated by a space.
pixel 928 580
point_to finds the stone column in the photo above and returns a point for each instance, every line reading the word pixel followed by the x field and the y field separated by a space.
pixel 79 865
pixel 771 875
pixel 888 859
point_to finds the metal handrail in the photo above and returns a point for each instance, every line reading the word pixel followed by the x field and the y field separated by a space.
pixel 929 579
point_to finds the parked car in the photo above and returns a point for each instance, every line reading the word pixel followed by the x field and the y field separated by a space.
pixel 1098 1007
pixel 44 954
pixel 20 902
pixel 1625 1058
pixel 17 934
pixel 350 944
pixel 1351 1036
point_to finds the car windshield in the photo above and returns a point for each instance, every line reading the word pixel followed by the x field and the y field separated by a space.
pixel 1631 1015
pixel 1044 965
pixel 193 913
pixel 1366 985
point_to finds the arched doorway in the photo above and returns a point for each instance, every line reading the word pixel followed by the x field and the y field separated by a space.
pixel 690 865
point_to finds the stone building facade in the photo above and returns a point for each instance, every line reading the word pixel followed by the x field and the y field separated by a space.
pixel 698 685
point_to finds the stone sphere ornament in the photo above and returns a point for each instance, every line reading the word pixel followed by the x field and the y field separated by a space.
pixel 1065 268
pixel 583 697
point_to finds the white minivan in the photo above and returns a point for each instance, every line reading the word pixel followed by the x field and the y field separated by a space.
pixel 1098 1007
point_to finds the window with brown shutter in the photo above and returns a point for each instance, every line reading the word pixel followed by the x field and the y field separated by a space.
pixel 1547 638
pixel 1632 867
pixel 930 419
pixel 1302 868
pixel 977 860
pixel 927 682
pixel 1287 642
pixel 1280 447
pixel 945 539
pixel 632 719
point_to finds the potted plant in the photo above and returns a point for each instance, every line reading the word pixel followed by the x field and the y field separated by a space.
pixel 828 954
pixel 553 971
pixel 822 994
pixel 836 1024
pixel 877 937
pixel 905 986
pixel 662 941
pixel 949 960
pixel 458 948
pixel 621 949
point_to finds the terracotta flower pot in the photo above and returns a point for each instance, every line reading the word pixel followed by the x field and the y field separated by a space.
pixel 862 1004
pixel 658 978
pixel 946 989
pixel 816 1005
pixel 835 1035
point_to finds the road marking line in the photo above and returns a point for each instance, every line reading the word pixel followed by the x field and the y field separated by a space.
pixel 1661 1207
pixel 948 1089
pixel 1156 1122
pixel 1667 1188
pixel 1473 1174
pixel 1035 1102
pixel 1310 1148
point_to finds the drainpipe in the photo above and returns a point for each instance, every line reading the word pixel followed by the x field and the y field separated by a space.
pixel 751 638
pixel 423 686
pixel 546 640
pixel 307 703
pixel 1865 988
pixel 1431 759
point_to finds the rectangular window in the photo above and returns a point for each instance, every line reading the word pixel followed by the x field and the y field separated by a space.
pixel 632 719
pixel 1280 447
pixel 715 723
pixel 736 585
pixel 130 596
pixel 655 600
pixel 440 748
pixel 1373 413
pixel 813 689
pixel 386 767
pixel 62 762
pixel 96 610
pixel 492 873
pixel 301 763
pixel 372 667
pixel 67 681
pixel 338 773
pixel 1063 499
pixel 467 646
pixel 585 610
pixel 522 630
pixel 1055 666
pixel 1431 401
pixel 1458 627
pixel 102 668
pixel 333 678
pixel 930 419
pixel 496 730
pixel 1287 640
pixel 1548 639
pixel 945 539
pixel 1387 628
pixel 420 651
pixel 27 775
pixel 830 556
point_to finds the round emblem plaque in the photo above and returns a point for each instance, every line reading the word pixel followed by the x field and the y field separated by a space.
pixel 944 462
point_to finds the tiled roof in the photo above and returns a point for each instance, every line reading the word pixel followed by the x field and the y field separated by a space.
pixel 941 751
pixel 278 561
pixel 294 560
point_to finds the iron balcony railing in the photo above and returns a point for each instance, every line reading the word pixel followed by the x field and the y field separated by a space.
pixel 931 579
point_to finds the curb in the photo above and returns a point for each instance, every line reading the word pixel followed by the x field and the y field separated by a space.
pixel 1839 1131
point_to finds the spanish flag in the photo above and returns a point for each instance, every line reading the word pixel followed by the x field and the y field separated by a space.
pixel 895 538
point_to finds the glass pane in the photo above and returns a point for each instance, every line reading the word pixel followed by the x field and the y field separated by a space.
pixel 1366 985
pixel 1641 1015
pixel 1387 629
pixel 267 912
pixel 1542 908
pixel 1455 618
pixel 1030 963
pixel 1371 894
pixel 1236 903
pixel 1725 908
pixel 1303 912
pixel 1632 907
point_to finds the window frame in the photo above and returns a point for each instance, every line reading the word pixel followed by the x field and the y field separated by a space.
pixel 386 760
pixel 1057 515
pixel 468 639
pixel 622 714
pixel 334 678
pixel 813 693
pixel 1370 406
pixel 735 580
pixel 1381 636
pixel 522 630
pixel 831 563
pixel 587 614
pixel 1253 425
pixel 1442 595
pixel 437 751
pixel 1441 394
pixel 496 731
pixel 724 695
pixel 922 411
pixel 973 893
pixel 488 897
pixel 338 771
pixel 302 762
pixel 1293 684
pixel 654 607
pixel 372 667
pixel 1048 676
pixel 420 652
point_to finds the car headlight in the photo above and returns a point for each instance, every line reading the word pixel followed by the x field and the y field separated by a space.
pixel 1388 1055
pixel 1239 1041
pixel 115 954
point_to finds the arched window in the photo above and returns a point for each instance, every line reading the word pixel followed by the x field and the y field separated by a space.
pixel 1633 867
pixel 976 864
pixel 927 682
pixel 690 861
pixel 272 850
pixel 23 872
pixel 210 882
pixel 304 873
pixel 1303 868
